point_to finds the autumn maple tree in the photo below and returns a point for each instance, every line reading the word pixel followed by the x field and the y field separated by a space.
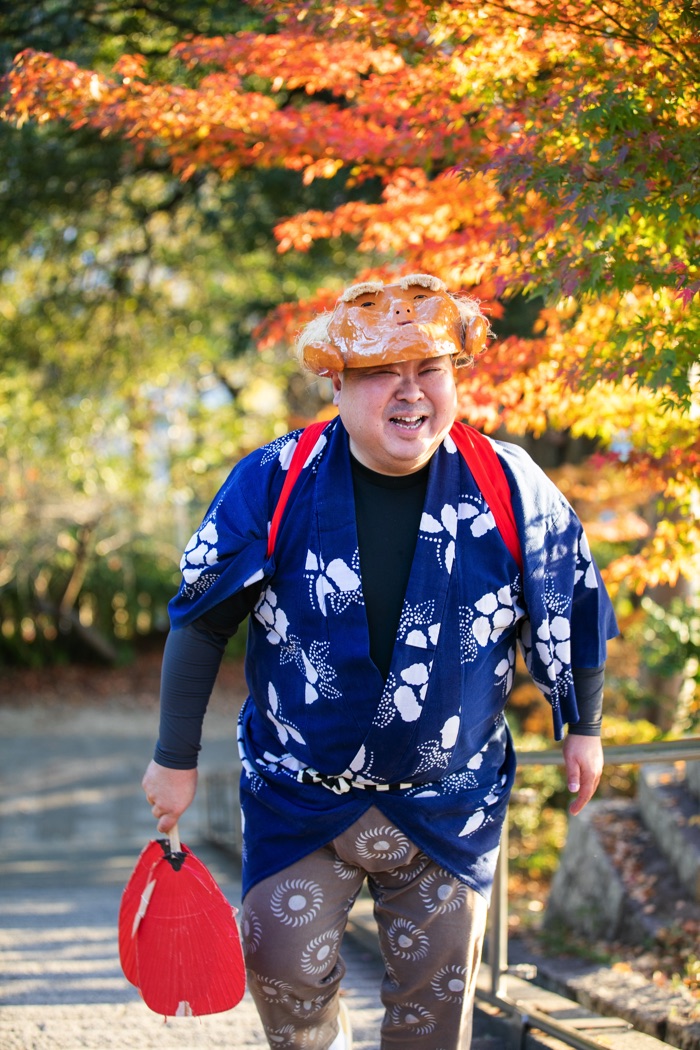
pixel 546 150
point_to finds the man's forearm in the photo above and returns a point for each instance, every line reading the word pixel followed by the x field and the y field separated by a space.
pixel 588 683
pixel 191 662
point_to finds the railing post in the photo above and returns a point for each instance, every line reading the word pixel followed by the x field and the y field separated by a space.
pixel 498 934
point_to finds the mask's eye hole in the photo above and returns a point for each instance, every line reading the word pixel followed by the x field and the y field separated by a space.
pixel 367 302
pixel 420 296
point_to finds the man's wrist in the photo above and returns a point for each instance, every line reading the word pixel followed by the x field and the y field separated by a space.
pixel 585 729
pixel 172 761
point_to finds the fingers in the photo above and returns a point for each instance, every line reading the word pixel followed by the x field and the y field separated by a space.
pixel 156 809
pixel 165 817
pixel 168 792
pixel 585 793
pixel 580 801
pixel 583 757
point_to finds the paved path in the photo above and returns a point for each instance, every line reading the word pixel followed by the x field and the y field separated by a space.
pixel 73 820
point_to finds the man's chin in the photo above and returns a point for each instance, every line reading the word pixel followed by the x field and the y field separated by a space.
pixel 410 449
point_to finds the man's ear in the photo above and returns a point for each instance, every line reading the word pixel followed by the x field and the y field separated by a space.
pixel 337 386
pixel 322 358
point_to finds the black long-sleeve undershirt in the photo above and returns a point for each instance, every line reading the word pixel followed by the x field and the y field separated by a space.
pixel 388 512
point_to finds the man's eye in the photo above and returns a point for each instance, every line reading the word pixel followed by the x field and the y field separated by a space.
pixel 420 296
pixel 368 302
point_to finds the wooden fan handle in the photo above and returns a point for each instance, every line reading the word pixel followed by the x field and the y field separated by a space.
pixel 174 836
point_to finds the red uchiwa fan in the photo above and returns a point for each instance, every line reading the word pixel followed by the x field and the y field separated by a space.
pixel 178 938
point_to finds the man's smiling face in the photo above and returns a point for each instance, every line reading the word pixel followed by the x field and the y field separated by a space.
pixel 397 413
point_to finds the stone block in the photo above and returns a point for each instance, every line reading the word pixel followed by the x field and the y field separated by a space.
pixel 692 777
pixel 586 893
pixel 670 812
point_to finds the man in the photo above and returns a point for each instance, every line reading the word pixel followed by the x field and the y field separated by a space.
pixel 381 654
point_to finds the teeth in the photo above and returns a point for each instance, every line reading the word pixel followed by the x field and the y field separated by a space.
pixel 407 421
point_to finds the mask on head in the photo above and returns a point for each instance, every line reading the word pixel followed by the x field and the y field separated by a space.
pixel 374 324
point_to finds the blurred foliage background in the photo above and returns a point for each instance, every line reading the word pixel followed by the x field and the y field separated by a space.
pixel 130 380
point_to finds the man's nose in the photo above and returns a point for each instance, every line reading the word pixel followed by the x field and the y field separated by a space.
pixel 409 388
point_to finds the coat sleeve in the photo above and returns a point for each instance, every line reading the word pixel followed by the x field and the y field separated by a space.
pixel 228 551
pixel 569 612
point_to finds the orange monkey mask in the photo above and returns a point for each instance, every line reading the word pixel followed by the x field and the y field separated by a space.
pixel 374 324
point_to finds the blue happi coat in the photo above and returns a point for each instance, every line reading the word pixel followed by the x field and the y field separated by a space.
pixel 322 734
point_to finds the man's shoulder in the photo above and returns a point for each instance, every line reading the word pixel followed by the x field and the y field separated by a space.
pixel 519 460
pixel 529 484
pixel 253 480
pixel 268 458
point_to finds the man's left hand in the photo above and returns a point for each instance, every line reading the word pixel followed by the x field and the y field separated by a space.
pixel 583 758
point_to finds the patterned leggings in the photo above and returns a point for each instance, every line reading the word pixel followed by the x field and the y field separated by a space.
pixel 431 929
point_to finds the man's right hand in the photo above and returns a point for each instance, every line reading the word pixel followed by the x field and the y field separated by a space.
pixel 169 793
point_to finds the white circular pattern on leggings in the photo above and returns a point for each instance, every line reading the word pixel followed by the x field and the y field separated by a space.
pixel 441 892
pixel 251 929
pixel 296 901
pixel 405 873
pixel 382 843
pixel 449 984
pixel 273 990
pixel 318 952
pixel 407 940
pixel 280 1036
pixel 414 1017
pixel 305 1007
pixel 342 870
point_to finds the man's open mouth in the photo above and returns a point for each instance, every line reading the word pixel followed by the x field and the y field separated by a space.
pixel 407 422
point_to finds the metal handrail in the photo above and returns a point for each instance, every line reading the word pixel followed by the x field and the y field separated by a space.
pixel 624 754
pixel 687 749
